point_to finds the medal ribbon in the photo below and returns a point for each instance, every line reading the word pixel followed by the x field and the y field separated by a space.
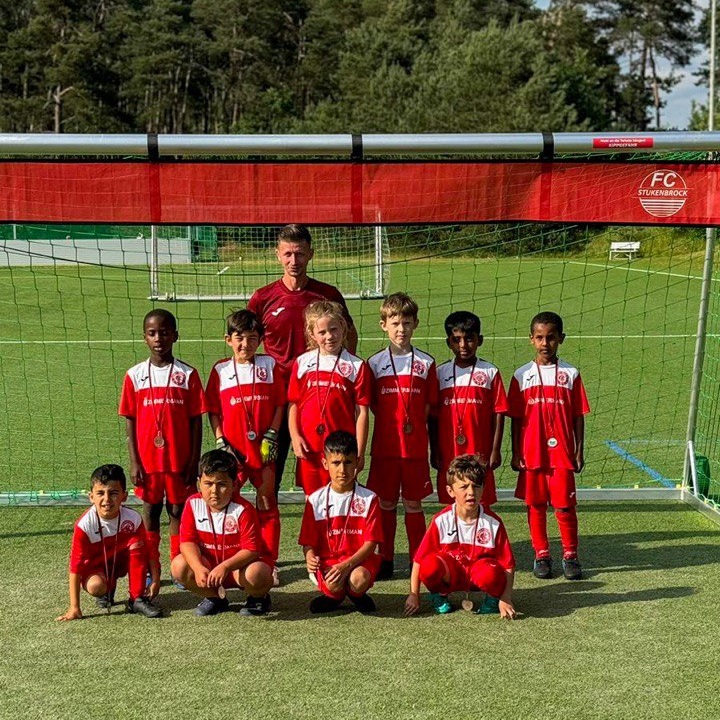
pixel 457 418
pixel 406 405
pixel 330 536
pixel 323 404
pixel 548 419
pixel 249 414
pixel 158 417
pixel 474 541
pixel 212 525
pixel 109 574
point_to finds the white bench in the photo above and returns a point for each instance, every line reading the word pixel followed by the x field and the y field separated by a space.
pixel 625 250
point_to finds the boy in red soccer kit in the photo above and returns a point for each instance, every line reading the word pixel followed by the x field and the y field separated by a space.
pixel 108 543
pixel 329 390
pixel 469 417
pixel 245 399
pixel 547 405
pixel 404 389
pixel 465 549
pixel 162 402
pixel 219 543
pixel 340 531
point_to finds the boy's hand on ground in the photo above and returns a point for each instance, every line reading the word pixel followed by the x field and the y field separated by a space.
pixel 412 604
pixel 153 589
pixel 507 610
pixel 71 614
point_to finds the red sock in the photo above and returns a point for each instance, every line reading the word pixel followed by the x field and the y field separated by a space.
pixel 389 527
pixel 174 546
pixel 137 571
pixel 415 529
pixel 270 530
pixel 568 526
pixel 153 545
pixel 537 520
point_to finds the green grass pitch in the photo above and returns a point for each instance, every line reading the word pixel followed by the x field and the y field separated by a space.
pixel 637 638
pixel 68 334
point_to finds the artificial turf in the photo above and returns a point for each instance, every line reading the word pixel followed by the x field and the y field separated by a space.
pixel 637 638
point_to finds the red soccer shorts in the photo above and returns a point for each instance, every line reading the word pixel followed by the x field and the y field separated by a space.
pixel 310 475
pixel 484 574
pixel 121 570
pixel 389 477
pixel 371 564
pixel 541 487
pixel 489 495
pixel 158 486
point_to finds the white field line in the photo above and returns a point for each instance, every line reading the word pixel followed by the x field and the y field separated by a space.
pixel 511 338
pixel 646 271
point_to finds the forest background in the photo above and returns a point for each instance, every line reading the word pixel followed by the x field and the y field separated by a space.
pixel 323 66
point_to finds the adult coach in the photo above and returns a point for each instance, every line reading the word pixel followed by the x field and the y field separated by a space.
pixel 281 307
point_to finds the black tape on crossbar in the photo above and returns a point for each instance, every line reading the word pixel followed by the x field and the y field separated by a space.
pixel 153 147
pixel 356 154
pixel 548 151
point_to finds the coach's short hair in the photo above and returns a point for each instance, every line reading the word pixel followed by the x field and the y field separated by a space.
pixel 162 314
pixel 108 473
pixel 341 442
pixel 547 318
pixel 398 304
pixel 219 461
pixel 467 467
pixel 464 321
pixel 242 321
pixel 294 233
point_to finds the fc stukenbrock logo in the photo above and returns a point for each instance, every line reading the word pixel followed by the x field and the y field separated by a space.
pixel 663 193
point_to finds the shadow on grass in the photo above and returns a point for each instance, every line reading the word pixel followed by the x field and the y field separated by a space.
pixel 565 598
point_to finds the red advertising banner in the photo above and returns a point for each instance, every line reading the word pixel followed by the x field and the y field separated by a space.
pixel 368 193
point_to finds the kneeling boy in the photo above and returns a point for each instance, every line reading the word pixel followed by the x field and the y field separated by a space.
pixel 108 543
pixel 219 543
pixel 341 529
pixel 465 548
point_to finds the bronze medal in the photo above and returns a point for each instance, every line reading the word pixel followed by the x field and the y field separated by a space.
pixel 467 604
pixel 407 427
pixel 320 429
pixel 159 441
pixel 221 592
pixel 460 439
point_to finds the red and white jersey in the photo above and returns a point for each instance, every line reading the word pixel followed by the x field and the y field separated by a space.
pixel 465 541
pixel 547 405
pixel 162 404
pixel 91 533
pixel 245 396
pixel 282 313
pixel 337 525
pixel 221 534
pixel 470 398
pixel 327 395
pixel 401 399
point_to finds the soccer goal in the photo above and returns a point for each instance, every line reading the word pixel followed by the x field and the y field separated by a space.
pixel 230 263
pixel 86 251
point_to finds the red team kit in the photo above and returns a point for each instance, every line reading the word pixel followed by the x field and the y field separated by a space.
pixel 424 415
